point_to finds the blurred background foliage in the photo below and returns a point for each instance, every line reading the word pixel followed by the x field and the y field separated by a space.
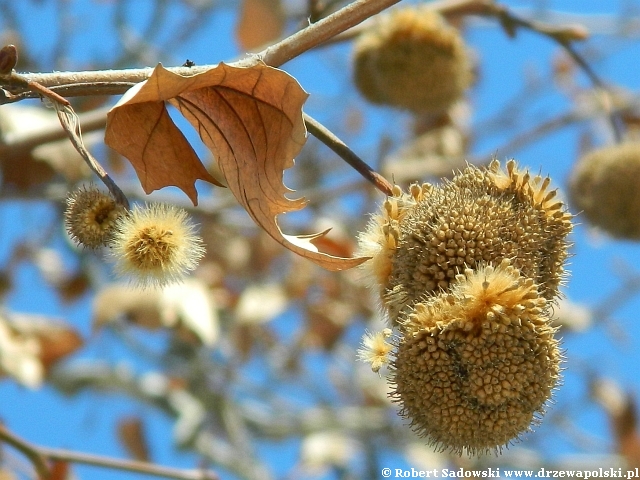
pixel 249 367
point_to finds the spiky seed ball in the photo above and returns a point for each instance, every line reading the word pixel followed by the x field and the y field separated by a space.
pixel 155 245
pixel 605 185
pixel 90 216
pixel 482 215
pixel 532 194
pixel 412 59
pixel 475 367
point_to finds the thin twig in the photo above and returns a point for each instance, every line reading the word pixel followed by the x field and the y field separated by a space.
pixel 71 125
pixel 15 79
pixel 563 35
pixel 40 457
pixel 127 465
pixel 38 460
pixel 338 146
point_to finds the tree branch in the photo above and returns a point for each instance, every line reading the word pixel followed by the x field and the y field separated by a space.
pixel 113 82
pixel 38 460
pixel 323 30
pixel 127 465
pixel 563 35
pixel 40 456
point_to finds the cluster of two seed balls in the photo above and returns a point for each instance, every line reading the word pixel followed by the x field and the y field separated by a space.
pixel 467 273
pixel 154 245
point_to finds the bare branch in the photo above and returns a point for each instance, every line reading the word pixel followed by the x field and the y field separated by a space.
pixel 127 465
pixel 40 457
pixel 102 82
pixel 323 30
pixel 563 35
pixel 38 460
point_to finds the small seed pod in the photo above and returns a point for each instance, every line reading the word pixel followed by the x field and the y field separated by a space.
pixel 604 185
pixel 155 245
pixel 375 349
pixel 412 59
pixel 474 367
pixel 90 216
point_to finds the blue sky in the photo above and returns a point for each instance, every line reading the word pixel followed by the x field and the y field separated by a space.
pixel 86 422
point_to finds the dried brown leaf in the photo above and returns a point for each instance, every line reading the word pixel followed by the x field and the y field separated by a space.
pixel 24 172
pixel 251 120
pixel 57 342
pixel 31 344
pixel 159 152
pixel 131 434
pixel 326 322
pixel 260 22
pixel 188 308
pixel 261 303
pixel 623 418
pixel 73 287
pixel 625 430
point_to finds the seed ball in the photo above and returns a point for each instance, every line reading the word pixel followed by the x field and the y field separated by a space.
pixel 90 216
pixel 484 215
pixel 605 185
pixel 412 59
pixel 474 368
pixel 155 245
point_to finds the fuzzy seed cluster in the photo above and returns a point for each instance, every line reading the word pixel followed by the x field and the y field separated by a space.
pixel 467 272
pixel 604 185
pixel 152 245
pixel 412 59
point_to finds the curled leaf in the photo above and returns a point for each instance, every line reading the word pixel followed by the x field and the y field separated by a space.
pixel 251 120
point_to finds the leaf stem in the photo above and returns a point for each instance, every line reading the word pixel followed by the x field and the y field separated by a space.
pixel 33 86
pixel 71 124
pixel 327 137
